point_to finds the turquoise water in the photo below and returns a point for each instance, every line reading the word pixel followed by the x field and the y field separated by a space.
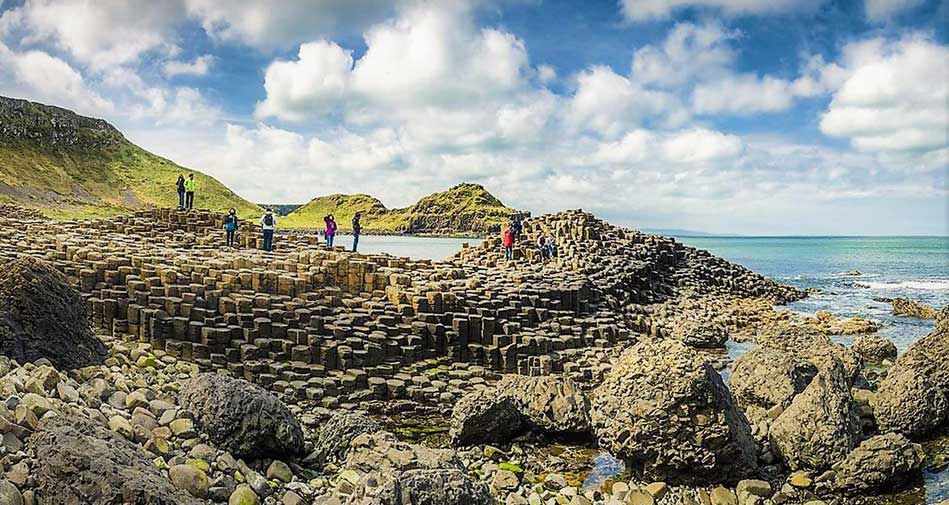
pixel 910 267
pixel 434 248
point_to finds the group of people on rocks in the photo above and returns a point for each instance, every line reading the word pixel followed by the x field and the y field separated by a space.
pixel 511 234
pixel 268 221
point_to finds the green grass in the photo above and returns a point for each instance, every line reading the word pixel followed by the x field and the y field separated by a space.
pixel 97 173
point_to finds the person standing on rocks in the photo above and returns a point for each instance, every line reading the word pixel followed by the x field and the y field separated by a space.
pixel 230 226
pixel 516 227
pixel 330 223
pixel 269 223
pixel 357 228
pixel 181 191
pixel 542 246
pixel 190 186
pixel 507 240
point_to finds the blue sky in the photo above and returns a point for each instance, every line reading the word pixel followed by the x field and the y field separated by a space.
pixel 741 116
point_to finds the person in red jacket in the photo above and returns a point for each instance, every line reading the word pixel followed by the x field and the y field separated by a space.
pixel 507 240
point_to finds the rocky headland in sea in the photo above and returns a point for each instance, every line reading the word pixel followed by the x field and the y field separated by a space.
pixel 144 363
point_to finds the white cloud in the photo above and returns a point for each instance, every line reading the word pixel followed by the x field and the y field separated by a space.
pixel 546 73
pixel 198 67
pixel 749 94
pixel 36 75
pixel 700 145
pixel 270 25
pixel 893 98
pixel 101 34
pixel 312 85
pixel 882 10
pixel 646 10
pixel 610 104
pixel 689 52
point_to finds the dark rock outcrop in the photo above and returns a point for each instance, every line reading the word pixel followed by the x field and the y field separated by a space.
pixel 241 417
pixel 482 417
pixel 665 408
pixel 804 343
pixel 41 316
pixel 821 425
pixel 433 487
pixel 912 308
pixel 84 462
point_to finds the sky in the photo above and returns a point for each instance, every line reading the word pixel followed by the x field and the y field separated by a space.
pixel 777 117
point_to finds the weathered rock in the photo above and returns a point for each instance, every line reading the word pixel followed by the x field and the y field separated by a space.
pixel 883 462
pixel 701 334
pixel 913 398
pixel 766 377
pixel 332 439
pixel 241 417
pixel 550 404
pixel 662 406
pixel 189 478
pixel 483 417
pixel 431 487
pixel 382 469
pixel 41 316
pixel 912 308
pixel 9 494
pixel 874 348
pixel 821 425
pixel 84 462
pixel 818 349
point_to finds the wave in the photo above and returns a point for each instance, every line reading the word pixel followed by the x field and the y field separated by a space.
pixel 921 284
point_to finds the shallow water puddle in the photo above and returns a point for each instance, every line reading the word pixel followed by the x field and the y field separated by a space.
pixel 605 467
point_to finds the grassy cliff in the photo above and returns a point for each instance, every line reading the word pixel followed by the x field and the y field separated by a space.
pixel 463 209
pixel 66 165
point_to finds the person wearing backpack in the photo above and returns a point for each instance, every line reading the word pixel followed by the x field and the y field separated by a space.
pixel 357 228
pixel 190 186
pixel 181 191
pixel 230 226
pixel 269 223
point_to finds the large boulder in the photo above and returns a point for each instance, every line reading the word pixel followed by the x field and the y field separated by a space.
pixel 765 378
pixel 883 462
pixel 548 404
pixel 482 417
pixel 821 425
pixel 85 462
pixel 41 316
pixel 913 398
pixel 820 350
pixel 333 438
pixel 874 348
pixel 665 408
pixel 701 333
pixel 391 472
pixel 241 417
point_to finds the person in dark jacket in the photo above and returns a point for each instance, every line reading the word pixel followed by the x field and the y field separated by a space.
pixel 268 223
pixel 357 228
pixel 181 191
pixel 230 226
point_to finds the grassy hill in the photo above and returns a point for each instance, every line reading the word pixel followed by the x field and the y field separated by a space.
pixel 67 166
pixel 463 209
